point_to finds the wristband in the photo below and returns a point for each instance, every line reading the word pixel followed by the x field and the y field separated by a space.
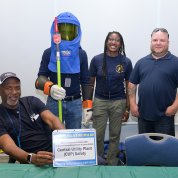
pixel 87 104
pixel 47 87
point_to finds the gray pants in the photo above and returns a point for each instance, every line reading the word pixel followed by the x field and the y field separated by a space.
pixel 102 111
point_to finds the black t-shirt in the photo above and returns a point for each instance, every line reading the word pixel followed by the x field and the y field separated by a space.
pixel 25 125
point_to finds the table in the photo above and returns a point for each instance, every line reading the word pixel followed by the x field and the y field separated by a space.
pixel 32 171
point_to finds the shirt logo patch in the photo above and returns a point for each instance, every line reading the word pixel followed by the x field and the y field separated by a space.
pixel 66 53
pixel 119 68
pixel 34 117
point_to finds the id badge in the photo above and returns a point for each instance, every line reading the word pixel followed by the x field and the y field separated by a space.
pixel 67 82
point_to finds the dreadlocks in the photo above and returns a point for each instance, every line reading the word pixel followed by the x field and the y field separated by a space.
pixel 120 51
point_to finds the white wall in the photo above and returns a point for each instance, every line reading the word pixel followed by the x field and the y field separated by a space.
pixel 25 30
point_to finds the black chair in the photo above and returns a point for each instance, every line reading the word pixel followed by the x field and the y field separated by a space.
pixel 151 149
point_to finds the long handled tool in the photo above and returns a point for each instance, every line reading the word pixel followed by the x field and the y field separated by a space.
pixel 57 40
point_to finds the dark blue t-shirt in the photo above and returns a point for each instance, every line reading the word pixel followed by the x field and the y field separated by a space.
pixel 158 82
pixel 70 82
pixel 34 135
pixel 112 86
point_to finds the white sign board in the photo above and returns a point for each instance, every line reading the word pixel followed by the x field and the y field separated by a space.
pixel 74 147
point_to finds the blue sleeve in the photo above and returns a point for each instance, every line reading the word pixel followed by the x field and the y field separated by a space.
pixel 4 122
pixel 129 69
pixel 84 72
pixel 37 105
pixel 134 77
pixel 3 130
pixel 43 69
pixel 93 70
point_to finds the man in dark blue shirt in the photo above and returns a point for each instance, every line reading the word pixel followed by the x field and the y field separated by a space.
pixel 157 76
pixel 25 124
pixel 74 73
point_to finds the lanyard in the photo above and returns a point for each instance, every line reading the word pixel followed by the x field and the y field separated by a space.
pixel 17 133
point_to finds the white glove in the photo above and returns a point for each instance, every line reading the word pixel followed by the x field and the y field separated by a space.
pixel 87 115
pixel 57 93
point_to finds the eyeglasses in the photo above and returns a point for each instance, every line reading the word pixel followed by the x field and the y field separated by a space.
pixel 161 30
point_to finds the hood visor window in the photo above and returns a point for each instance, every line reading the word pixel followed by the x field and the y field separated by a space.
pixel 68 31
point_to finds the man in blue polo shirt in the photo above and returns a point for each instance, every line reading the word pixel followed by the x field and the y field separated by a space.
pixel 157 76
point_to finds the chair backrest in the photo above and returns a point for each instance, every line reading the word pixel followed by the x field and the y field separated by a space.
pixel 153 149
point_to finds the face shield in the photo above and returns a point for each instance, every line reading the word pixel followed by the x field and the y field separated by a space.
pixel 68 31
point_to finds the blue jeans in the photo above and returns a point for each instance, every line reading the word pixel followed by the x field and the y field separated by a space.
pixel 71 112
pixel 165 126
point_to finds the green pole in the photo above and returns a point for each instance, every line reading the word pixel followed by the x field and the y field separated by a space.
pixel 57 39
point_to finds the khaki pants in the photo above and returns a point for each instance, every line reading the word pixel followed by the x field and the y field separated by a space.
pixel 102 111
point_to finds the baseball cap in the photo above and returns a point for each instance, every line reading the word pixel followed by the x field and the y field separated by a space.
pixel 7 75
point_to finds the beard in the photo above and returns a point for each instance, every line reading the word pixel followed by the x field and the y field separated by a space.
pixel 159 53
pixel 12 102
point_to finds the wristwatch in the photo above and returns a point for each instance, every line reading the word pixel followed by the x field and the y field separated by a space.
pixel 29 158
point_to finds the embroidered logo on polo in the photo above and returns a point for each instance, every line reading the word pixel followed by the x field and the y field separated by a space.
pixel 34 117
pixel 119 68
